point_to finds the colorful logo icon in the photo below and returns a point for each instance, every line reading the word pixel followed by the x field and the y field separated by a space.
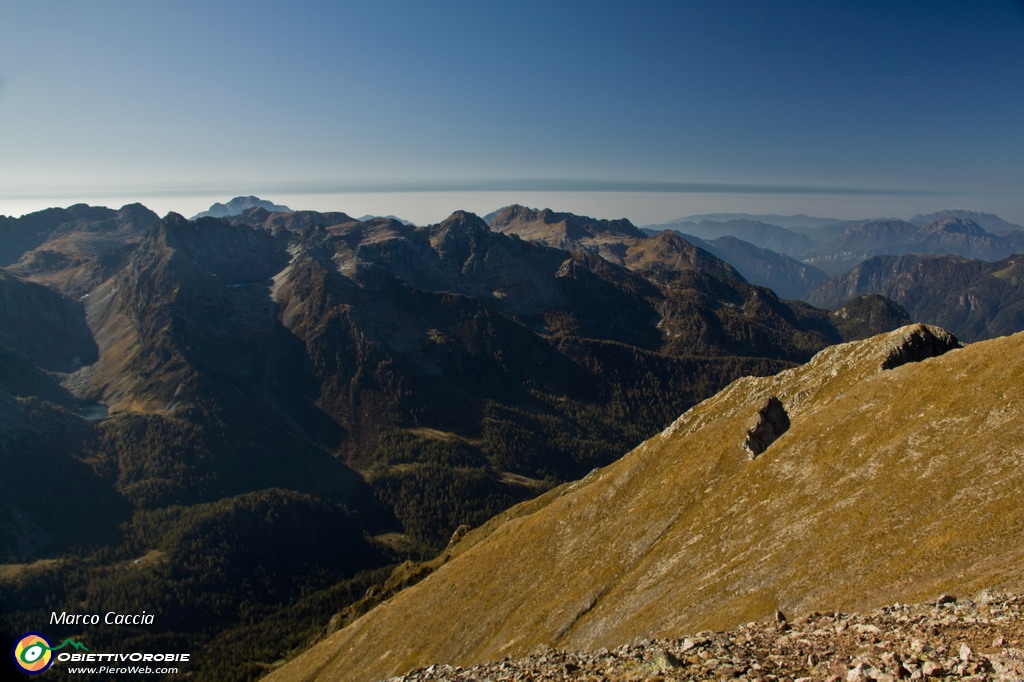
pixel 32 653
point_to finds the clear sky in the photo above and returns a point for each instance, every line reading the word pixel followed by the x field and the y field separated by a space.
pixel 649 110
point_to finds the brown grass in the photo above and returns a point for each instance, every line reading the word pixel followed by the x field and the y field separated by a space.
pixel 890 485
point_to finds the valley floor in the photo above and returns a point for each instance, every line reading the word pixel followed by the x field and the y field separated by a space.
pixel 967 639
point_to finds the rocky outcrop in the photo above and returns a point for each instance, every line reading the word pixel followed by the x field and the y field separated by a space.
pixel 926 342
pixel 770 422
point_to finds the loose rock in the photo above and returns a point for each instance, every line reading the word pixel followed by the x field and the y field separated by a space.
pixel 963 640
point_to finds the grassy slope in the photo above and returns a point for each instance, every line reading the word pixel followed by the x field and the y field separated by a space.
pixel 889 485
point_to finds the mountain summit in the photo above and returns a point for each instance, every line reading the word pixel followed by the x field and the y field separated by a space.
pixel 239 205
pixel 779 493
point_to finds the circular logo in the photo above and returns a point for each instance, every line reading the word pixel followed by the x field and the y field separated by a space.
pixel 32 653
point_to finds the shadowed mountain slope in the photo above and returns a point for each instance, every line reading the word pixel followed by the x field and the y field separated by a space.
pixel 867 315
pixel 786 276
pixel 777 493
pixel 49 329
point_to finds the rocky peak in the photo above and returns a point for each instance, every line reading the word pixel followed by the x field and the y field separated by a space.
pixel 137 216
pixel 463 221
pixel 237 206
pixel 234 253
pixel 552 226
pixel 511 214
pixel 458 235
pixel 669 252
pixel 671 243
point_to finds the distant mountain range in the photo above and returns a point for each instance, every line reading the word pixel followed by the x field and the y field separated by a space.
pixel 760 234
pixel 958 236
pixel 791 222
pixel 368 216
pixel 794 261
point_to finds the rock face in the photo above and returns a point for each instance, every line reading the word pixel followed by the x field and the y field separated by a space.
pixel 889 485
pixel 786 276
pixel 770 422
pixel 928 343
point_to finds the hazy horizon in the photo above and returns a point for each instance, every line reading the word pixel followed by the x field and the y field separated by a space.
pixel 652 111
pixel 641 208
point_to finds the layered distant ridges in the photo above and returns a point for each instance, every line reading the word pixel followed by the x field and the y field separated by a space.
pixel 948 235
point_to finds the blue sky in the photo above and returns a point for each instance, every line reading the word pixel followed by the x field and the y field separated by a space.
pixel 853 109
